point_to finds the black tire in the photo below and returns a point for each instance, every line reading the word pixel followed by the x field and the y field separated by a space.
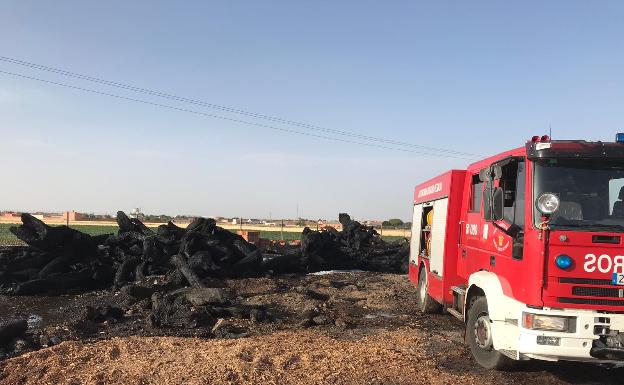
pixel 426 303
pixel 480 342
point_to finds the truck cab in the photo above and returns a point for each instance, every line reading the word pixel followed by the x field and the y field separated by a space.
pixel 526 248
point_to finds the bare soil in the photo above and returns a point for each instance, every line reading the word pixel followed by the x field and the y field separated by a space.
pixel 349 328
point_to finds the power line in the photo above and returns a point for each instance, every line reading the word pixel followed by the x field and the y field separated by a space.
pixel 223 108
pixel 228 118
pixel 228 109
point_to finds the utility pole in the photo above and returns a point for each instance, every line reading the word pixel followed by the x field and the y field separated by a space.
pixel 282 230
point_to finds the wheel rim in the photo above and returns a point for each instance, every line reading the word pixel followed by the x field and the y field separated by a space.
pixel 483 332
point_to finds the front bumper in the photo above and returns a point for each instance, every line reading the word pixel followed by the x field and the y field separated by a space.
pixel 586 343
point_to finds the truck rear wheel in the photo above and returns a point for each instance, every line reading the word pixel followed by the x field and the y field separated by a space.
pixel 426 303
pixel 480 338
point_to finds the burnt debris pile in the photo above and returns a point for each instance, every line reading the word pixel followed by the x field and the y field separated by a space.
pixel 200 250
pixel 57 259
pixel 172 279
pixel 60 259
pixel 355 247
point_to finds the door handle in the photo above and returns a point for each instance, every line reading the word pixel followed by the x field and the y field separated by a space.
pixel 459 235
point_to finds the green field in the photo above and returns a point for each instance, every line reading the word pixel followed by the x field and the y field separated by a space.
pixel 8 239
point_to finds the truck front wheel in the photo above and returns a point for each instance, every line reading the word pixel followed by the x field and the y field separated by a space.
pixel 480 338
pixel 426 304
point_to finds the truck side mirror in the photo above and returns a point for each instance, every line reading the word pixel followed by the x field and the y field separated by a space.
pixel 491 173
pixel 484 175
pixel 487 202
pixel 493 202
pixel 498 201
pixel 497 172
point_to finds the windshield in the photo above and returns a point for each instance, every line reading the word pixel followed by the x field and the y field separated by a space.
pixel 591 192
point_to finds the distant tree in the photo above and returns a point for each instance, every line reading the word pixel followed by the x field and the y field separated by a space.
pixel 301 222
pixel 395 222
pixel 156 218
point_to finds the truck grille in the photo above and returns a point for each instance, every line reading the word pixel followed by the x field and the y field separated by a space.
pixel 597 292
pixel 589 301
pixel 603 291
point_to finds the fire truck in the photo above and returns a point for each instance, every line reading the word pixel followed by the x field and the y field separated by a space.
pixel 526 248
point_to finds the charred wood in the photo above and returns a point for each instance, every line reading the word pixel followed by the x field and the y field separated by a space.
pixel 180 262
pixel 60 240
pixel 125 270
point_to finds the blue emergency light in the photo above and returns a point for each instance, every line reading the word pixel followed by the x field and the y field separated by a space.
pixel 619 137
pixel 563 261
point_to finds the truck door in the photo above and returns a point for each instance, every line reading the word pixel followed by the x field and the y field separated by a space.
pixel 473 227
pixel 505 246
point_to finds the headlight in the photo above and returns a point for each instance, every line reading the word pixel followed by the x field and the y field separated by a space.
pixel 548 322
pixel 547 203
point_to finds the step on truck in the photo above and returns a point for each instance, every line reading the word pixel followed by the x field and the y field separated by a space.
pixel 527 249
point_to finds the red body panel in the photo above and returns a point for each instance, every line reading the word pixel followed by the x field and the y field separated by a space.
pixel 558 289
pixel 449 184
pixel 473 244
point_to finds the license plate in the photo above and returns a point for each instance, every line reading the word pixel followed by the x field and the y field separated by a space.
pixel 618 279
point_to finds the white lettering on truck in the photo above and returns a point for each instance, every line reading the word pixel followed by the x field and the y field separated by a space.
pixel 472 229
pixel 434 188
pixel 604 263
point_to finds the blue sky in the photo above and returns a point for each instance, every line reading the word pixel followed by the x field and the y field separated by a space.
pixel 478 77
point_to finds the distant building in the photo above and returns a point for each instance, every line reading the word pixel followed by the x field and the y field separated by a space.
pixel 73 216
pixel 250 236
pixel 335 225
pixel 10 215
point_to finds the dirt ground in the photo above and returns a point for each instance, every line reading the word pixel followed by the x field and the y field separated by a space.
pixel 349 328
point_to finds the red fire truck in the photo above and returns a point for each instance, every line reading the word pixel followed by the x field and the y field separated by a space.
pixel 526 247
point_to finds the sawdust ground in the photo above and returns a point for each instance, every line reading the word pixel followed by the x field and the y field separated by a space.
pixel 287 357
pixel 306 357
